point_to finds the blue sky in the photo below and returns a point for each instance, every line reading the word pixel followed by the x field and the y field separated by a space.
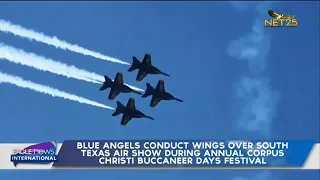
pixel 238 79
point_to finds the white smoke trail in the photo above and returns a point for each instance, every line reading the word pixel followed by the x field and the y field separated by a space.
pixel 17 30
pixel 21 57
pixel 31 60
pixel 18 81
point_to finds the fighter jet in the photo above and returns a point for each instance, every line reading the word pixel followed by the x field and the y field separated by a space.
pixel 116 86
pixel 129 112
pixel 158 94
pixel 278 16
pixel 145 67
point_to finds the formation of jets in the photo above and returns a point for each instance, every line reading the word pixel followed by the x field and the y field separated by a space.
pixel 117 86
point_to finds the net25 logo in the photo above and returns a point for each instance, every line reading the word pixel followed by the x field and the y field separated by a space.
pixel 280 20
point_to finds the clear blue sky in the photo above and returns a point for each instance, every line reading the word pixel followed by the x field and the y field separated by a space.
pixel 238 79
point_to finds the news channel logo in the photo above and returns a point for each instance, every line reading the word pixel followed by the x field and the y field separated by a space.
pixel 280 20
pixel 42 153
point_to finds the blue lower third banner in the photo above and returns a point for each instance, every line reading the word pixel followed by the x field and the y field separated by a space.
pixel 192 154
pixel 73 154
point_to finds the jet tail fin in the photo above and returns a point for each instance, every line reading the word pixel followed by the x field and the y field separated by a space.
pixel 119 109
pixel 107 83
pixel 149 91
pixel 107 79
pixel 135 64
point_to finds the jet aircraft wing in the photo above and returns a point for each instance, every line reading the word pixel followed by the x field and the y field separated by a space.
pixel 160 86
pixel 147 60
pixel 154 101
pixel 125 119
pixel 131 104
pixel 141 75
pixel 113 93
pixel 119 78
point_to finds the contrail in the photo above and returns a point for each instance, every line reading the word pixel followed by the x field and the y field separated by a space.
pixel 18 81
pixel 18 56
pixel 21 57
pixel 17 30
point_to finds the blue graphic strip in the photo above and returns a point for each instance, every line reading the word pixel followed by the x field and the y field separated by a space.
pixel 183 153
